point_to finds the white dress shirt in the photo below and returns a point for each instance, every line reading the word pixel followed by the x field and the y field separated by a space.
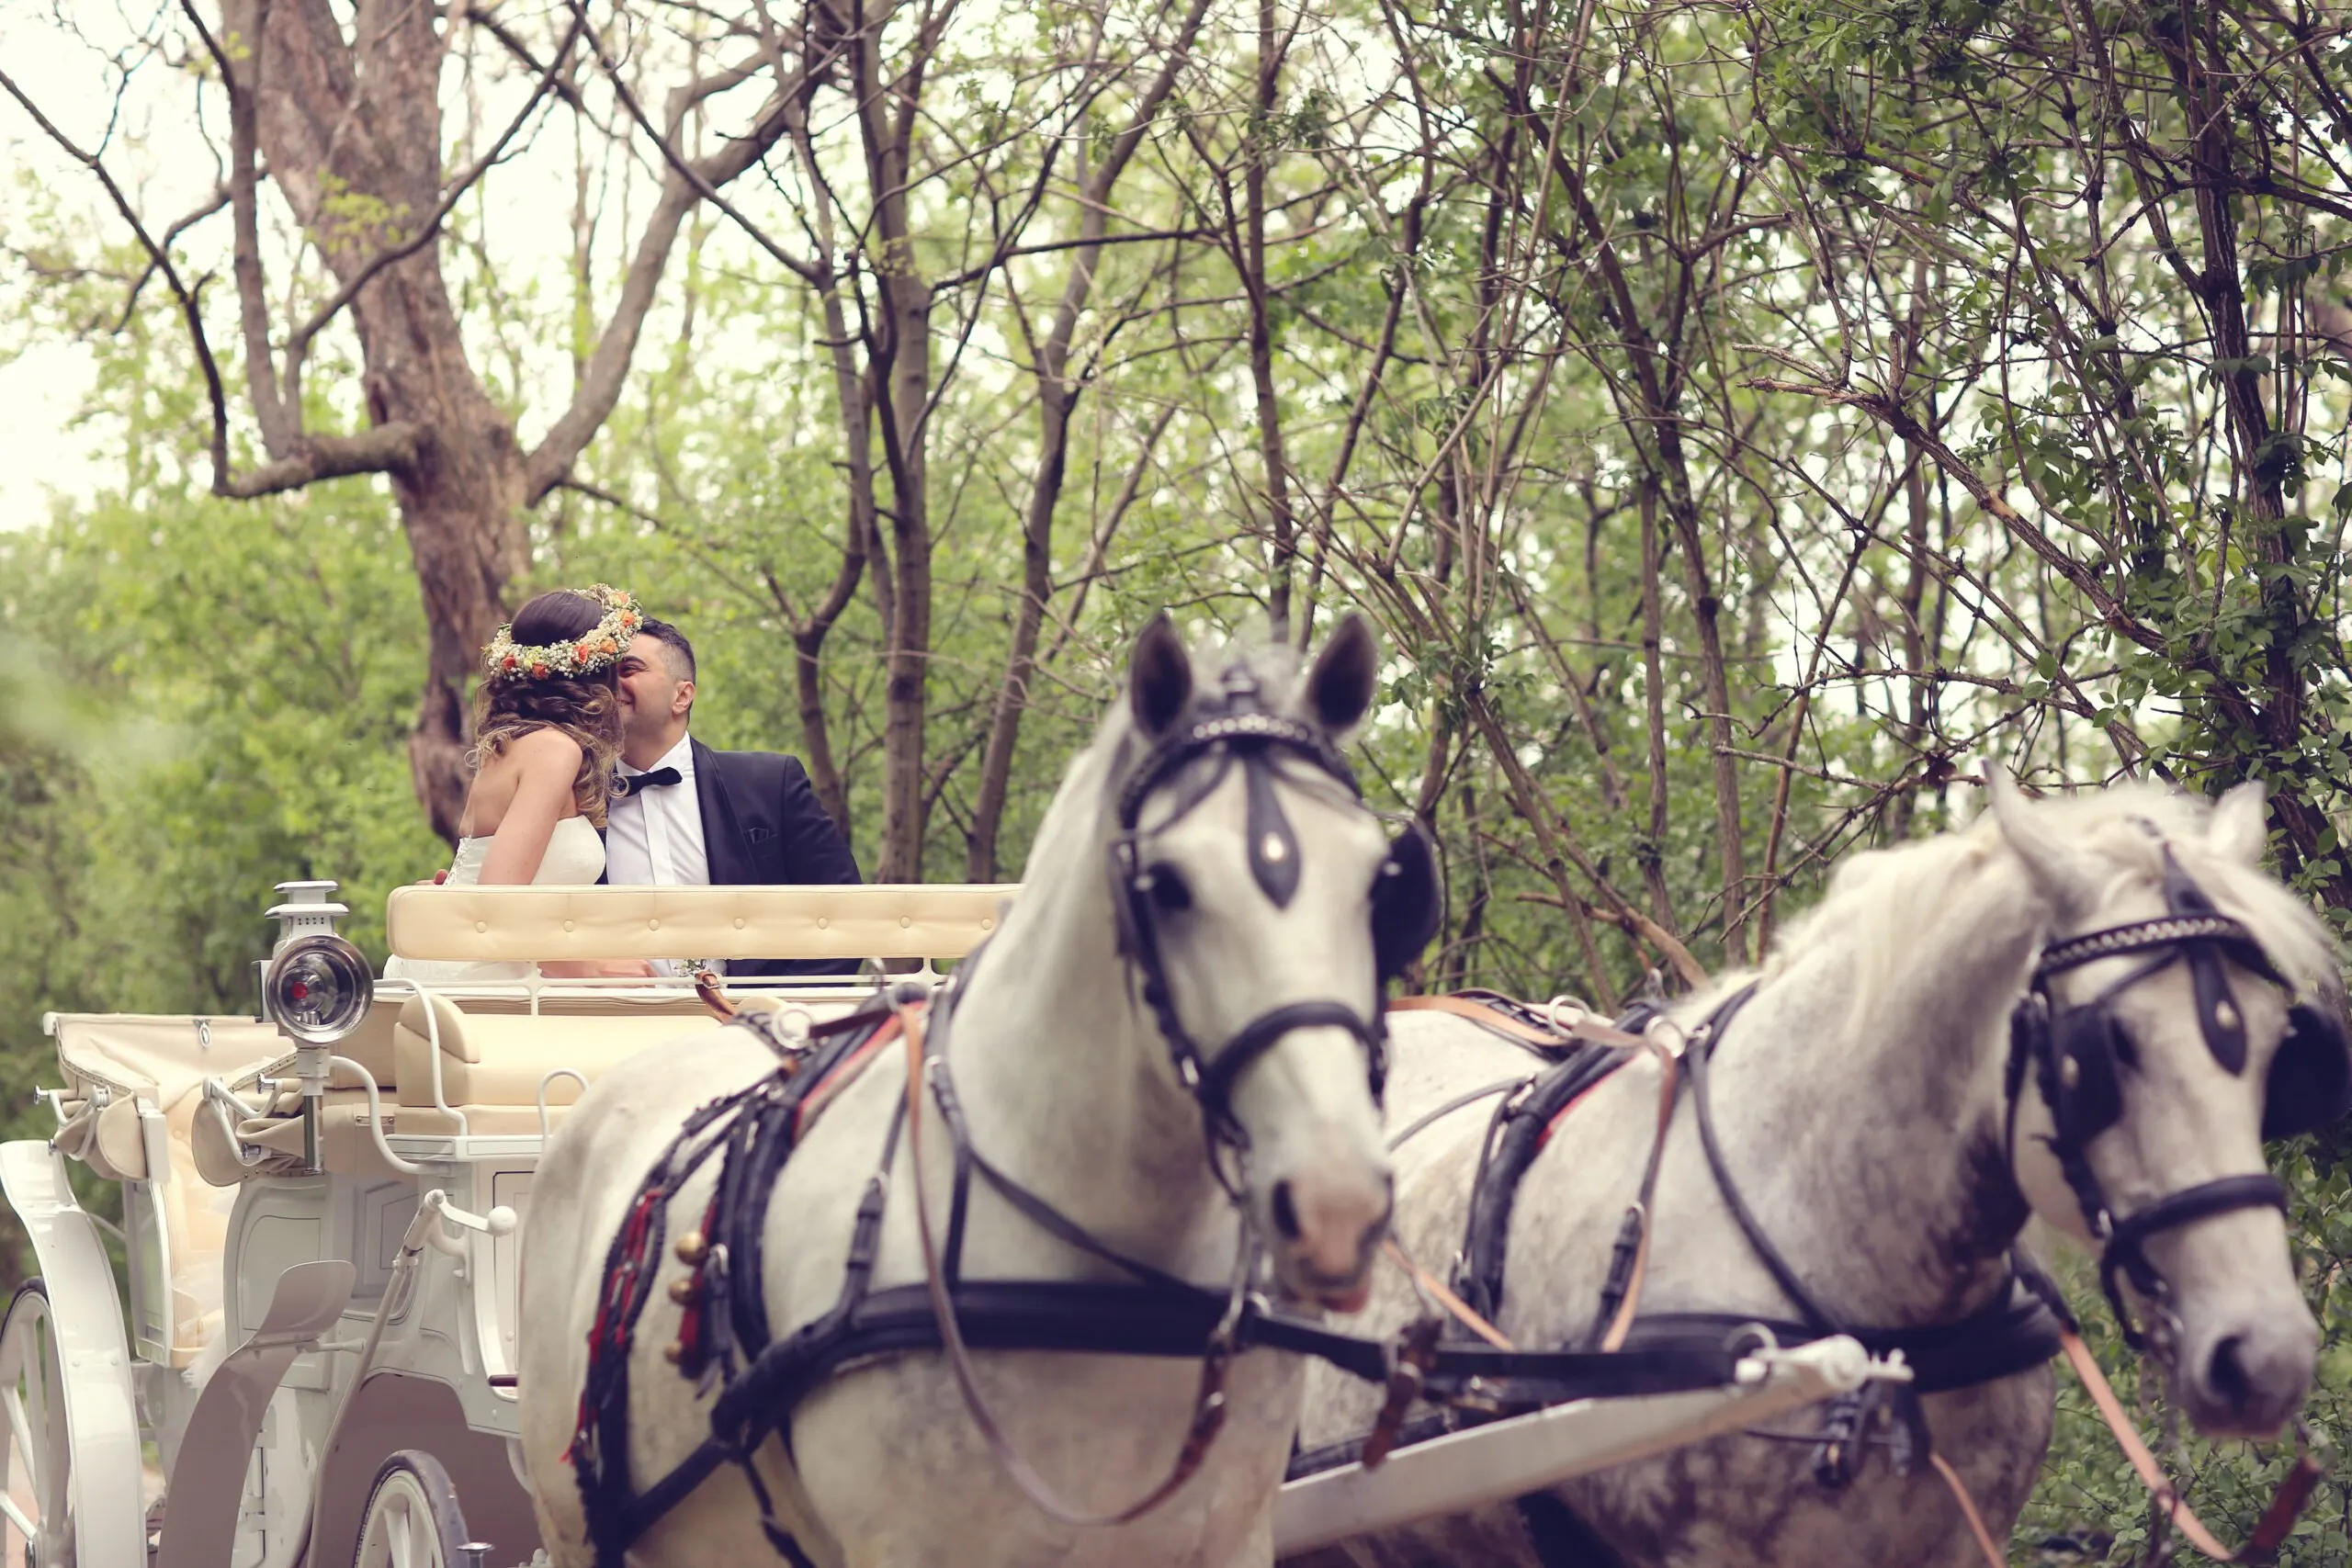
pixel 656 837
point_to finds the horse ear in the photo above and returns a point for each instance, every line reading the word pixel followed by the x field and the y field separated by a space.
pixel 1340 687
pixel 2049 858
pixel 1159 675
pixel 2240 826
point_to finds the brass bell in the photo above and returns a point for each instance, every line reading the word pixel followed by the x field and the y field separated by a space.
pixel 692 1248
pixel 673 1352
pixel 684 1289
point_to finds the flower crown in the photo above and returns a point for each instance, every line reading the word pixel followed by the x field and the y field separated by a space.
pixel 507 659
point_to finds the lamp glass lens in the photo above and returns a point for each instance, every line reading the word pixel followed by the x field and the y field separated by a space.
pixel 318 992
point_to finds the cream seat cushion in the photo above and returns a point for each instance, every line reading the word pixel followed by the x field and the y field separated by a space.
pixel 493 1059
pixel 477 924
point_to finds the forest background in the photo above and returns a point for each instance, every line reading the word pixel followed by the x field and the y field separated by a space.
pixel 1743 421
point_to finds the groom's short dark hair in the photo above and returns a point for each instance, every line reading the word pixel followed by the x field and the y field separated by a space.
pixel 669 635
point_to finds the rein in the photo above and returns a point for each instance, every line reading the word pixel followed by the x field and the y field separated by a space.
pixel 1216 1356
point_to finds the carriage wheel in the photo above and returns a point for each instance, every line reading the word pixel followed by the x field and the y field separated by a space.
pixel 412 1519
pixel 37 1448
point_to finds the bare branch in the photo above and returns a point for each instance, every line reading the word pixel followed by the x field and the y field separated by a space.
pixel 687 183
pixel 297 347
pixel 189 309
pixel 383 448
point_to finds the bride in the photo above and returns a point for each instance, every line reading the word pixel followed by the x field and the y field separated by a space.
pixel 547 737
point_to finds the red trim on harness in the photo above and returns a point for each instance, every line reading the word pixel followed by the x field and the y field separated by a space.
pixel 1562 1114
pixel 844 1072
pixel 610 1330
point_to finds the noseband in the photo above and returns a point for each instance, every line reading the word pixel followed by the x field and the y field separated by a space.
pixel 2077 1054
pixel 1239 732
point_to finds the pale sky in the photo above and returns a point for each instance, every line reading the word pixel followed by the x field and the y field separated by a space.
pixel 169 169
pixel 40 456
pixel 41 387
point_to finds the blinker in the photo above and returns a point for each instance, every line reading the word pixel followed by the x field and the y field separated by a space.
pixel 2217 1014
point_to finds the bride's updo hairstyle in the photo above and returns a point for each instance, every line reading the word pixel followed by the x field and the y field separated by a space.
pixel 554 667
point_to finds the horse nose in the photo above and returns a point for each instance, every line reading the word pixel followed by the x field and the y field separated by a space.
pixel 1331 1228
pixel 2227 1374
pixel 2252 1382
pixel 1286 1210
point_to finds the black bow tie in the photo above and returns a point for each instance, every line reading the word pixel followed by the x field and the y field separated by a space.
pixel 637 783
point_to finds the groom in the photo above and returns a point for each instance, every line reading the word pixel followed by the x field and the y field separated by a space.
pixel 694 818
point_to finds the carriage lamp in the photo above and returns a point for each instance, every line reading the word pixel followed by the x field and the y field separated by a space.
pixel 317 989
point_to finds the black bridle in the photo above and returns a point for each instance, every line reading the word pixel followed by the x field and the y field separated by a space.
pixel 1241 732
pixel 2077 1054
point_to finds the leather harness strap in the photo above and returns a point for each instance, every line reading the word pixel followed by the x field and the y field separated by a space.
pixel 1489 1017
pixel 1629 1264
pixel 1994 1556
pixel 2286 1504
pixel 1637 1221
pixel 1437 1291
pixel 2269 1532
pixel 1208 1404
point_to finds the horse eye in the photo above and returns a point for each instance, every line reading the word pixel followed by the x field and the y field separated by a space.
pixel 2127 1050
pixel 1168 889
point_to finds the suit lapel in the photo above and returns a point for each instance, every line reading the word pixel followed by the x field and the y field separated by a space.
pixel 723 846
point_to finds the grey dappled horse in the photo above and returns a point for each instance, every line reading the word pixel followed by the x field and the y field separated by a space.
pixel 1860 1101
pixel 1068 1086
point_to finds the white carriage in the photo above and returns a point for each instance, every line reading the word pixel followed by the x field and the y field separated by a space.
pixel 320 1207
pixel 319 1213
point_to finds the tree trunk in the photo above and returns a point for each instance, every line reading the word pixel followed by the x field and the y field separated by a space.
pixel 1282 523
pixel 908 664
pixel 1058 395
pixel 1055 401
pixel 901 384
pixel 2263 456
pixel 350 121
pixel 358 152
pixel 1653 853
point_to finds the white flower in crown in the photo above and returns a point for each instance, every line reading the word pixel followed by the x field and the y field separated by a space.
pixel 506 659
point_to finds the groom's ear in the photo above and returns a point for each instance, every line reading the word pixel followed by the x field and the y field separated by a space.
pixel 683 704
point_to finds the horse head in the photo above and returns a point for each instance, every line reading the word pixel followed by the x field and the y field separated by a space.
pixel 1262 905
pixel 2184 1007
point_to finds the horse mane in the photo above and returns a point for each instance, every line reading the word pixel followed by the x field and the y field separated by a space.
pixel 1879 902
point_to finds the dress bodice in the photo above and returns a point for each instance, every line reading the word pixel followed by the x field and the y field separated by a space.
pixel 575 857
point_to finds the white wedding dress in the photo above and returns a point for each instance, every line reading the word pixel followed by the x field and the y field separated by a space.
pixel 576 858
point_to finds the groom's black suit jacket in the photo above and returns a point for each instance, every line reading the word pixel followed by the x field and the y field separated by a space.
pixel 762 822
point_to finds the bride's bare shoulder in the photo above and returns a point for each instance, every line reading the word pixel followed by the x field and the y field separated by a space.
pixel 543 748
pixel 542 763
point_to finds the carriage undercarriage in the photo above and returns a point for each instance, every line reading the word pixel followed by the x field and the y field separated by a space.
pixel 313 1362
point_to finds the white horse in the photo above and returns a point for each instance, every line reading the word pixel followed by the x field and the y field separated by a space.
pixel 1862 1103
pixel 1255 949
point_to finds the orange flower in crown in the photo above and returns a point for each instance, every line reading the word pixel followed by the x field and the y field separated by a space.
pixel 506 659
